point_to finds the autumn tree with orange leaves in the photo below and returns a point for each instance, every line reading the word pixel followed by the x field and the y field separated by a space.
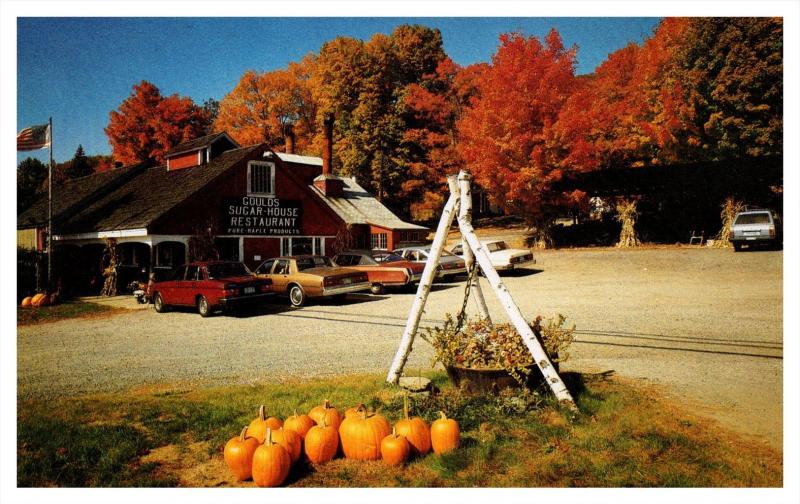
pixel 263 106
pixel 147 125
pixel 432 108
pixel 503 135
pixel 363 84
pixel 698 89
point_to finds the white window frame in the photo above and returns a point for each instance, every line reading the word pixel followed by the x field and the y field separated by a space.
pixel 377 238
pixel 271 167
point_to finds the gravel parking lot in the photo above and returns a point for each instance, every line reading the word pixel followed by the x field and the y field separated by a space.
pixel 705 324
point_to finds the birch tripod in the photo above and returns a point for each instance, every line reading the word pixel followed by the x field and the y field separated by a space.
pixel 460 201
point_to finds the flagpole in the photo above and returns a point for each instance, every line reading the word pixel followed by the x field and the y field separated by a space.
pixel 50 210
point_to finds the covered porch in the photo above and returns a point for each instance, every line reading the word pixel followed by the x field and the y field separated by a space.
pixel 79 260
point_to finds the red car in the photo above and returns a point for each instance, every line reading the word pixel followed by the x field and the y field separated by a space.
pixel 209 286
pixel 384 269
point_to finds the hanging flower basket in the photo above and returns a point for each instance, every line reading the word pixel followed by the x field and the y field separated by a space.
pixel 483 358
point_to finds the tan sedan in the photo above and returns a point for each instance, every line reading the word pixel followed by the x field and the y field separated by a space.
pixel 308 276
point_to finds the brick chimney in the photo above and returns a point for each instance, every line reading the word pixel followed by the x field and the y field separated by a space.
pixel 289 139
pixel 328 183
pixel 327 144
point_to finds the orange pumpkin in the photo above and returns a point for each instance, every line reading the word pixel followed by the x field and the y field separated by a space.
pixel 325 411
pixel 258 427
pixel 321 443
pixel 291 442
pixel 395 449
pixel 445 434
pixel 271 463
pixel 362 434
pixel 355 410
pixel 238 454
pixel 299 423
pixel 415 430
pixel 39 300
pixel 26 302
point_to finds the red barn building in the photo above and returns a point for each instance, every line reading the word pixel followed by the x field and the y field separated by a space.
pixel 253 202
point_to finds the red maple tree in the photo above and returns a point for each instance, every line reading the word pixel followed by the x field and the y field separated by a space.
pixel 434 106
pixel 147 125
pixel 503 135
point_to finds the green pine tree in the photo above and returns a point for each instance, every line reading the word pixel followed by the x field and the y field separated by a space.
pixel 80 165
pixel 31 174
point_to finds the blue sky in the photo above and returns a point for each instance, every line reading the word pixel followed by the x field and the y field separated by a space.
pixel 79 69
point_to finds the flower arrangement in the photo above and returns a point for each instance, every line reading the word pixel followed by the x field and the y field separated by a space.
pixel 481 345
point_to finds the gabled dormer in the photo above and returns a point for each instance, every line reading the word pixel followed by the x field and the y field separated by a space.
pixel 199 151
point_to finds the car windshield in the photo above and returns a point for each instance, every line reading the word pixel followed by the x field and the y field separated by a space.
pixel 495 246
pixel 227 270
pixel 753 218
pixel 427 252
pixel 387 258
pixel 304 263
pixel 366 260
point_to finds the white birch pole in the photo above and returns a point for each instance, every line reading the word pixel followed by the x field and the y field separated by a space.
pixel 465 213
pixel 540 357
pixel 414 316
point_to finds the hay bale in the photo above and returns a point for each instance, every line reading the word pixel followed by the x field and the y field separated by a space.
pixel 627 215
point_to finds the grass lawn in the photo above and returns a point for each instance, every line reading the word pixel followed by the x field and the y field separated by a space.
pixel 624 435
pixel 66 310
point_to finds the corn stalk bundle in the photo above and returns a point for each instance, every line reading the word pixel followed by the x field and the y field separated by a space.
pixel 730 208
pixel 110 273
pixel 626 215
pixel 542 235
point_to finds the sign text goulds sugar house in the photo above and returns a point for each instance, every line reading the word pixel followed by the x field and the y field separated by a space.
pixel 262 216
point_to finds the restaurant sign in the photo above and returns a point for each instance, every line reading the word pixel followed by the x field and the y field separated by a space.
pixel 262 216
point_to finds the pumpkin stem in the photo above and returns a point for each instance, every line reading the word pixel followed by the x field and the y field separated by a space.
pixel 327 404
pixel 268 439
pixel 405 406
pixel 394 432
pixel 443 416
pixel 243 434
pixel 262 412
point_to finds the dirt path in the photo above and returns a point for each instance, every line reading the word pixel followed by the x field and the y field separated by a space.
pixel 704 324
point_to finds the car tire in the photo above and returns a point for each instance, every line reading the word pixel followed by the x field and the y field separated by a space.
pixel 203 308
pixel 158 303
pixel 297 296
pixel 377 289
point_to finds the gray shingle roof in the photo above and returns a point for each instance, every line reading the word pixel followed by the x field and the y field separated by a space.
pixel 68 196
pixel 198 143
pixel 357 206
pixel 148 196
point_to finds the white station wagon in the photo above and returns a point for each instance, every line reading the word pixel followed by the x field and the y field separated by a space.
pixel 503 258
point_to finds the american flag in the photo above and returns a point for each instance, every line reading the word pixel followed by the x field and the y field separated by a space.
pixel 35 137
